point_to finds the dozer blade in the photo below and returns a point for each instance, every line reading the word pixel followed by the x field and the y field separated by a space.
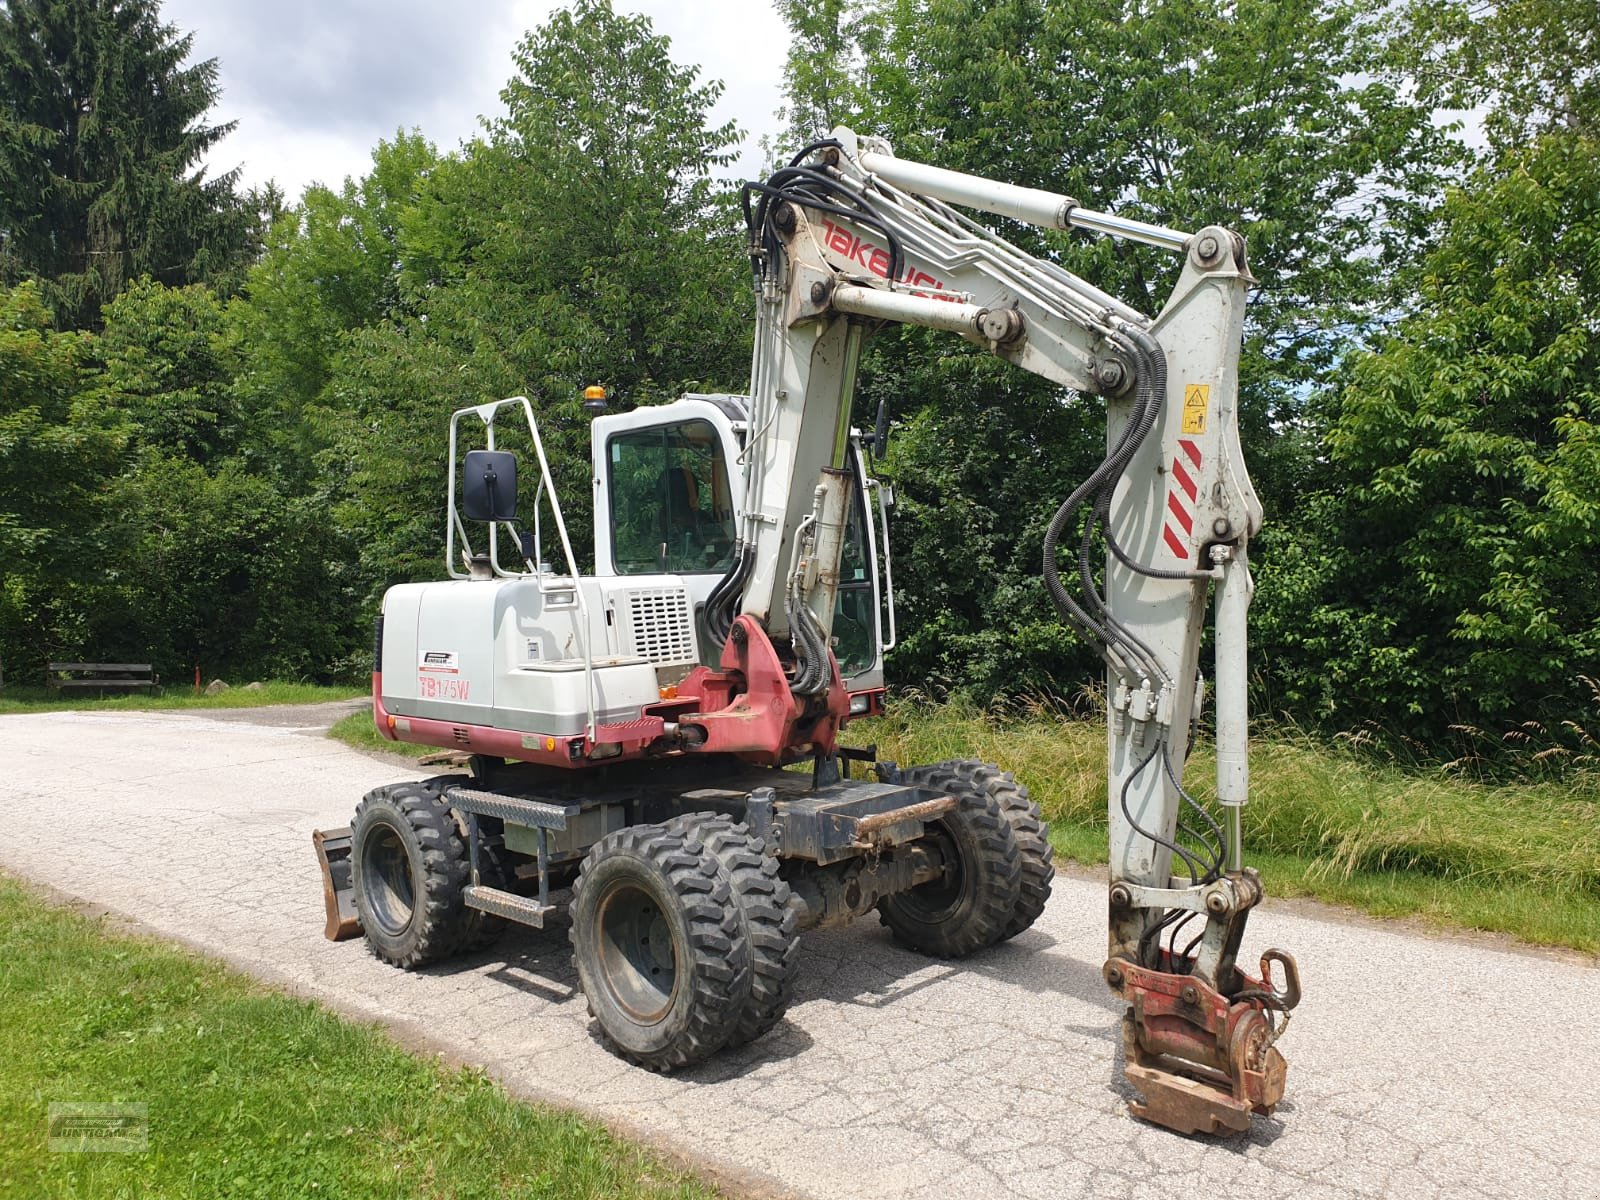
pixel 333 856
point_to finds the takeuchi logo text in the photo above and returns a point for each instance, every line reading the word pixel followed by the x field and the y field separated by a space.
pixel 873 258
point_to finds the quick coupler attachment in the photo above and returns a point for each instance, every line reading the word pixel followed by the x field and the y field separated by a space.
pixel 1199 1037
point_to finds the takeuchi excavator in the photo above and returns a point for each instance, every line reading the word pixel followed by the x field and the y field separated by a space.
pixel 663 735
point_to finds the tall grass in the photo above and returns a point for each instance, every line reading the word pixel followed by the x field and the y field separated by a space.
pixel 1324 819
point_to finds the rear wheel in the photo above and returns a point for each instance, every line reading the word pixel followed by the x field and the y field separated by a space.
pixel 971 906
pixel 408 866
pixel 1034 854
pixel 660 947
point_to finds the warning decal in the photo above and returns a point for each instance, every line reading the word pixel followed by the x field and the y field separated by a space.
pixel 1196 403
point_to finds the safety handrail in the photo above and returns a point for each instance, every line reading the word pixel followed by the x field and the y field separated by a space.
pixel 486 413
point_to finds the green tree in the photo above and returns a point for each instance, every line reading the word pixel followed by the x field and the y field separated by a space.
pixel 101 128
pixel 332 265
pixel 55 454
pixel 168 359
pixel 223 570
pixel 1528 65
pixel 583 240
pixel 1449 575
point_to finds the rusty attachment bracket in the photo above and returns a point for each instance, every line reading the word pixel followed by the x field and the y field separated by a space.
pixel 899 824
pixel 338 894
pixel 1204 1062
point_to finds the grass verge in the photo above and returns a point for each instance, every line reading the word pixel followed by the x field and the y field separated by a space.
pixel 252 1093
pixel 21 700
pixel 358 730
pixel 1520 859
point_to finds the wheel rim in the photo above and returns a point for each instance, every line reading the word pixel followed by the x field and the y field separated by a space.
pixel 386 880
pixel 638 953
pixel 939 899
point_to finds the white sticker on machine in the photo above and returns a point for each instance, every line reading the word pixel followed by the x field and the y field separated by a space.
pixel 441 661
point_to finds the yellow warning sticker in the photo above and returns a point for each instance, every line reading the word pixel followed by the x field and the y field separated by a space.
pixel 1196 403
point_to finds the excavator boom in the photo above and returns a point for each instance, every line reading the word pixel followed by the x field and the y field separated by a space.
pixel 849 238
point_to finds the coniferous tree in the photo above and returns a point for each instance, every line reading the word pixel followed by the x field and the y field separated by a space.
pixel 101 130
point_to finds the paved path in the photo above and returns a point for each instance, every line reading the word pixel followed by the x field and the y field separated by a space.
pixel 1419 1067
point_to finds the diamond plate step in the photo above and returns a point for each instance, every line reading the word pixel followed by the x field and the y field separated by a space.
pixel 508 905
pixel 511 808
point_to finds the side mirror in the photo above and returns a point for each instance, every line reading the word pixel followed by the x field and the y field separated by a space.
pixel 880 429
pixel 489 486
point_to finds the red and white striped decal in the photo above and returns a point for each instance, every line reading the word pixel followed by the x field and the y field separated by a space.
pixel 1182 497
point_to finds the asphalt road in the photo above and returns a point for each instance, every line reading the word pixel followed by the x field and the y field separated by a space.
pixel 1418 1066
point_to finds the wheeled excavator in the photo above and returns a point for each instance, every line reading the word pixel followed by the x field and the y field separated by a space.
pixel 664 735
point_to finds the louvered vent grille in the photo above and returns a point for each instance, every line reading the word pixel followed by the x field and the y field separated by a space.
pixel 660 626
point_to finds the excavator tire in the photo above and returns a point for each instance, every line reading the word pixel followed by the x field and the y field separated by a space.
pixel 408 868
pixel 479 930
pixel 769 922
pixel 971 907
pixel 1027 827
pixel 660 947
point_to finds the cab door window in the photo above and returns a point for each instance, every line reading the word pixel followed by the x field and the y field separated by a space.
pixel 671 506
pixel 855 607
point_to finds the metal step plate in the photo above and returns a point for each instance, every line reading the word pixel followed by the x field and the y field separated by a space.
pixel 510 808
pixel 508 905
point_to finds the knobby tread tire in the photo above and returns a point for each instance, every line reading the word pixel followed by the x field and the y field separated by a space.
pixel 439 871
pixel 770 921
pixel 479 930
pixel 989 870
pixel 1029 830
pixel 716 969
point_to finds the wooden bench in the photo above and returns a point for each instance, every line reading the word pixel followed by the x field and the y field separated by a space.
pixel 103 677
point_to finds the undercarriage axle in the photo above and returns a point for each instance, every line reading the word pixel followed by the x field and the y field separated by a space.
pixel 836 895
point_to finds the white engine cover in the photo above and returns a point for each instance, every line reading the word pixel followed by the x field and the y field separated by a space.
pixel 509 654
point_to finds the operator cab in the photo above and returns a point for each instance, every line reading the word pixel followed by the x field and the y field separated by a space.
pixel 667 482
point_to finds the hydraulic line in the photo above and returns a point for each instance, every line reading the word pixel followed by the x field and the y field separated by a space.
pixel 1190 861
pixel 1120 647
pixel 819 192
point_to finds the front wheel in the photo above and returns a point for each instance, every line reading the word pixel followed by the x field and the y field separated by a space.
pixel 972 904
pixel 661 952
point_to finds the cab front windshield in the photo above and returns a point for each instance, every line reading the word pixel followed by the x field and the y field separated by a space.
pixel 672 513
pixel 671 507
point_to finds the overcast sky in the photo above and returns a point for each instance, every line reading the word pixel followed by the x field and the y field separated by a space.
pixel 314 84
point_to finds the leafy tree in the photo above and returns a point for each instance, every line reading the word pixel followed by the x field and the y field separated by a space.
pixel 53 459
pixel 584 240
pixel 222 570
pixel 101 128
pixel 1449 575
pixel 330 265
pixel 168 358
pixel 1529 65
